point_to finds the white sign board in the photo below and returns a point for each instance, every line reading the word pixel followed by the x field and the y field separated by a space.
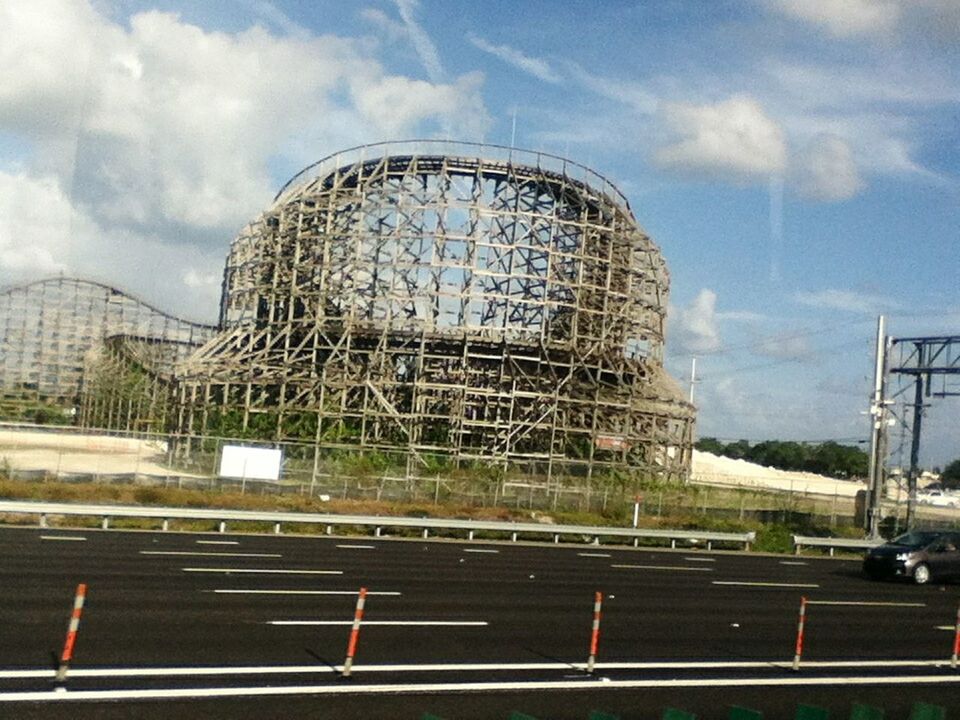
pixel 250 463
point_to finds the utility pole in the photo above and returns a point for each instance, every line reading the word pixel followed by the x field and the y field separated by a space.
pixel 878 432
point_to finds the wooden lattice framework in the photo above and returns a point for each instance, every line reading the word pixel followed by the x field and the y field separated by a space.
pixel 471 302
pixel 50 329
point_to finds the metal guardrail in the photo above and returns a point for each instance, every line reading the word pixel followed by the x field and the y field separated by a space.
pixel 514 529
pixel 800 541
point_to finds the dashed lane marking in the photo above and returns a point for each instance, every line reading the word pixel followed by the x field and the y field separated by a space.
pixel 587 554
pixel 765 584
pixel 217 542
pixel 357 547
pixel 866 603
pixel 190 553
pixel 262 571
pixel 679 568
pixel 699 559
pixel 480 550
pixel 792 562
pixel 74 538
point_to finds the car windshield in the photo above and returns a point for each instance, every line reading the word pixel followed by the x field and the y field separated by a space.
pixel 914 539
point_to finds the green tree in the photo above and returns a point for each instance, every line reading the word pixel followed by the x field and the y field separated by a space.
pixel 710 445
pixel 950 477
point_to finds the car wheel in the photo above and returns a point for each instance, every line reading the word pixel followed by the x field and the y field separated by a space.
pixel 921 574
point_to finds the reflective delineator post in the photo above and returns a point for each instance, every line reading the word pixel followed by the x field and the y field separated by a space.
pixel 956 642
pixel 354 632
pixel 595 634
pixel 67 655
pixel 799 650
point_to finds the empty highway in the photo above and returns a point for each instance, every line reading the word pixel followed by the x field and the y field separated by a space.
pixel 211 625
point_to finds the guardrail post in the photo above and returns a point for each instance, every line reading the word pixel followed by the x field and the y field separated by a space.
pixel 800 622
pixel 223 526
pixel 276 528
pixel 470 535
pixel 43 520
pixel 514 537
pixel 354 632
pixel 595 631
pixel 105 523
pixel 426 533
pixel 556 538
pixel 329 529
pixel 67 655
pixel 376 532
pixel 166 525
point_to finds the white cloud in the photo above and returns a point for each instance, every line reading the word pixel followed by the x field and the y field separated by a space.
pixel 827 170
pixel 532 66
pixel 159 133
pixel 426 50
pixel 844 18
pixel 37 223
pixel 846 301
pixel 734 138
pixel 695 328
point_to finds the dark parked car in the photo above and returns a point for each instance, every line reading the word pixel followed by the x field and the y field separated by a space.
pixel 919 554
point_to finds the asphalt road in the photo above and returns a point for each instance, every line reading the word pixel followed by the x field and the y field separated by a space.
pixel 458 629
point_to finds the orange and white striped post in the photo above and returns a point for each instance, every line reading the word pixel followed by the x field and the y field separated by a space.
pixel 354 632
pixel 595 634
pixel 799 650
pixel 67 655
pixel 956 642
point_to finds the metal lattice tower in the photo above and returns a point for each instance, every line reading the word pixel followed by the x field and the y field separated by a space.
pixel 474 302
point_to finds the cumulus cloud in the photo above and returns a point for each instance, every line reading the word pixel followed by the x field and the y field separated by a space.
pixel 537 67
pixel 695 328
pixel 844 18
pixel 734 138
pixel 827 170
pixel 846 301
pixel 43 233
pixel 157 129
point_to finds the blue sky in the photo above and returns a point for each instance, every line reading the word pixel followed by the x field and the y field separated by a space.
pixel 797 161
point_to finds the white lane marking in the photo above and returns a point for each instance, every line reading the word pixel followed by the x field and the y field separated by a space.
pixel 357 547
pixel 418 688
pixel 262 571
pixel 679 568
pixel 945 627
pixel 302 592
pixel 217 542
pixel 461 667
pixel 191 553
pixel 865 603
pixel 480 550
pixel 765 584
pixel 403 623
pixel 62 537
pixel 695 559
pixel 584 554
pixel 792 562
